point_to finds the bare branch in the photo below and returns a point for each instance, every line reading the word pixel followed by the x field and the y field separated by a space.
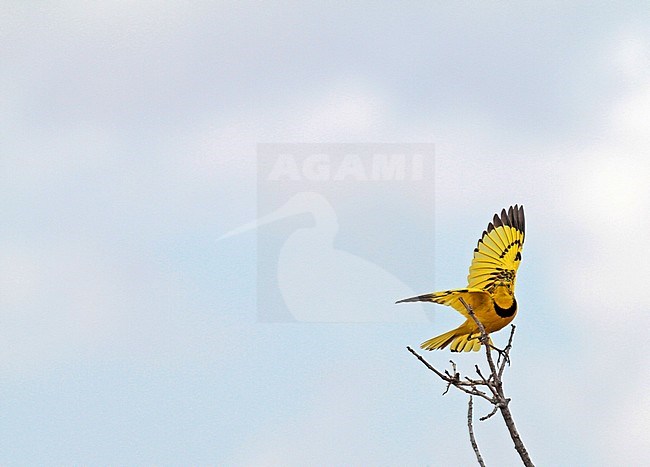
pixel 493 383
pixel 472 439
pixel 497 385
pixel 428 365
pixel 467 386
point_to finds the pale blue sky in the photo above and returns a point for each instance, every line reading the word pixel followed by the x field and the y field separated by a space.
pixel 131 335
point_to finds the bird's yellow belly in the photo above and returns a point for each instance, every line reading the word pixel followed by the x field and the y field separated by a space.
pixel 491 321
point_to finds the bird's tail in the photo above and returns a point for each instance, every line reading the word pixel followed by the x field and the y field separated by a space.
pixel 460 341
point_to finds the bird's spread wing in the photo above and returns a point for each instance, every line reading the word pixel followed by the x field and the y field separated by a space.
pixel 498 253
pixel 473 297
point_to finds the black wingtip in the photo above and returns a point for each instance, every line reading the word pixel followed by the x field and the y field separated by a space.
pixel 419 298
pixel 404 300
pixel 513 217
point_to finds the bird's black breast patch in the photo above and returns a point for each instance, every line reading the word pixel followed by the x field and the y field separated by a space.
pixel 506 312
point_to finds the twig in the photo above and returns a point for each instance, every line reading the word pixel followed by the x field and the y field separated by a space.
pixel 472 439
pixel 455 380
pixel 505 353
pixel 494 410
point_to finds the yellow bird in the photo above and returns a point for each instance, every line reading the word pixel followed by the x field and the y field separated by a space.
pixel 491 284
